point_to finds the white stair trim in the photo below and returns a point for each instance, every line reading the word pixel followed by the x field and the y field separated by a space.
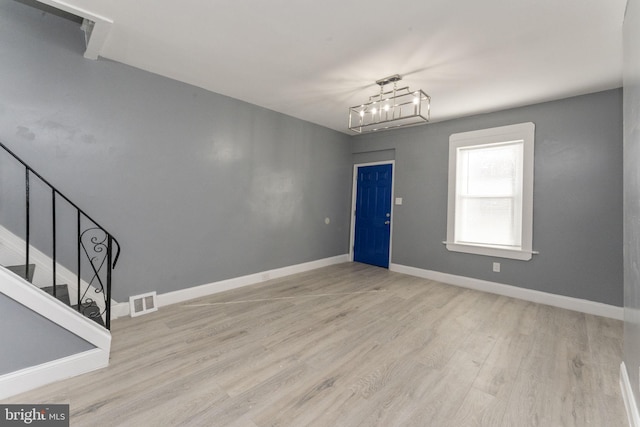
pixel 174 297
pixel 27 379
pixel 629 398
pixel 18 289
pixel 561 301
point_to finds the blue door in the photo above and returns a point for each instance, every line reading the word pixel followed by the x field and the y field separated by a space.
pixel 373 215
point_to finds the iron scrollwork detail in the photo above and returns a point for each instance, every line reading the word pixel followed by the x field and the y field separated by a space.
pixel 95 242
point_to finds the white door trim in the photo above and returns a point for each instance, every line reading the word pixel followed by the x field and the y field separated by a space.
pixel 354 189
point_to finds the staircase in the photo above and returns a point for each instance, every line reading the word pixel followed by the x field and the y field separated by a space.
pixel 61 292
pixel 32 214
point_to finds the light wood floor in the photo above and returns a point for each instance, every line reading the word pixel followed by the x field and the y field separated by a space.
pixel 352 345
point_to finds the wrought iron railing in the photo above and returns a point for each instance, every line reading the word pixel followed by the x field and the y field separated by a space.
pixel 97 251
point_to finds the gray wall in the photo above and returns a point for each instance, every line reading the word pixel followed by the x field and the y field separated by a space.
pixel 577 197
pixel 29 339
pixel 197 187
pixel 374 156
pixel 632 193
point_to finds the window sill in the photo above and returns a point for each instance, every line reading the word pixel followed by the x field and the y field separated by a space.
pixel 519 254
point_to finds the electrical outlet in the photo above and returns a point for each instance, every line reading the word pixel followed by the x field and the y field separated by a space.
pixel 496 267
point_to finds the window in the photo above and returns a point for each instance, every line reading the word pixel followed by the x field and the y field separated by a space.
pixel 490 209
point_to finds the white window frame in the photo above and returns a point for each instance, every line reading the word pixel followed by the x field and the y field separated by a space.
pixel 519 132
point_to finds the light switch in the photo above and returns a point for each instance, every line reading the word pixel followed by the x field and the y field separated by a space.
pixel 398 200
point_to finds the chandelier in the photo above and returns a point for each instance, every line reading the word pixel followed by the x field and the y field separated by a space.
pixel 394 108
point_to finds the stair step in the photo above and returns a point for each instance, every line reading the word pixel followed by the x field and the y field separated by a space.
pixel 89 310
pixel 20 271
pixel 62 293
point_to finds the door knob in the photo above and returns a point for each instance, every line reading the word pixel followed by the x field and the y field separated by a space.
pixel 387 222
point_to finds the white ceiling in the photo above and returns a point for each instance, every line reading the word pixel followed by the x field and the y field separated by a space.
pixel 314 59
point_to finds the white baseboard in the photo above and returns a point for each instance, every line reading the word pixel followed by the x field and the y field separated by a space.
pixel 119 309
pixel 628 397
pixel 36 376
pixel 122 309
pixel 569 303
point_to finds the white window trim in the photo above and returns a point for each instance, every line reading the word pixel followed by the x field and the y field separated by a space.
pixel 521 131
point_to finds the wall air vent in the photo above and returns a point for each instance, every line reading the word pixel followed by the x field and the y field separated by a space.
pixel 142 304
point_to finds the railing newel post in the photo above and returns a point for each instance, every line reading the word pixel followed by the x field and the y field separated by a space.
pixel 79 258
pixel 53 230
pixel 107 299
pixel 27 224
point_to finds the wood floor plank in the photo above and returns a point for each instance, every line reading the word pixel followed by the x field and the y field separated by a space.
pixel 473 409
pixel 352 345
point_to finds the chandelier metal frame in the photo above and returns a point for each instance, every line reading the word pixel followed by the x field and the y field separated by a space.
pixel 395 108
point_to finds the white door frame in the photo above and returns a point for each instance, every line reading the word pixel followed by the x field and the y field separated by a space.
pixel 354 191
